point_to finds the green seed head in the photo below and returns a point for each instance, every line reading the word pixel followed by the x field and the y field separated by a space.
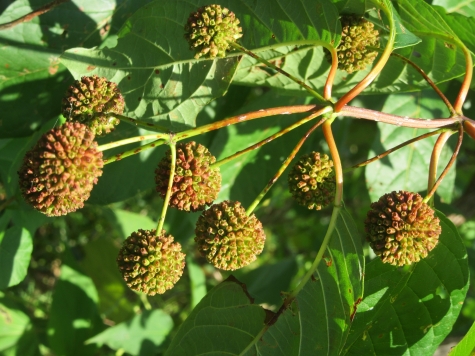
pixel 312 181
pixel 210 30
pixel 95 102
pixel 59 172
pixel 227 237
pixel 151 264
pixel 357 35
pixel 195 184
pixel 401 228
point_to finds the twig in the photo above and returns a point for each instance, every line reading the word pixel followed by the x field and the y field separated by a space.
pixel 434 158
pixel 395 148
pixel 168 194
pixel 447 168
pixel 33 14
pixel 429 81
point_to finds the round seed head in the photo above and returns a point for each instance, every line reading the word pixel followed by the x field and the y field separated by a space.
pixel 210 30
pixel 95 102
pixel 357 36
pixel 59 172
pixel 312 181
pixel 227 237
pixel 151 264
pixel 195 184
pixel 401 228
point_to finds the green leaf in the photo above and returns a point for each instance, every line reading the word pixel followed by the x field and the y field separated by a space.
pixel 99 263
pixel 466 8
pixel 408 168
pixel 74 316
pixel 411 310
pixel 17 336
pixel 130 222
pixel 197 281
pixel 224 322
pixel 139 336
pixel 30 59
pixel 466 346
pixel 15 252
pixel 265 283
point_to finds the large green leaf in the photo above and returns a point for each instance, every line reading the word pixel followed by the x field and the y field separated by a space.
pixel 139 336
pixel 157 74
pixel 74 315
pixel 224 322
pixel 318 322
pixel 15 252
pixel 17 336
pixel 410 311
pixel 30 58
pixel 408 168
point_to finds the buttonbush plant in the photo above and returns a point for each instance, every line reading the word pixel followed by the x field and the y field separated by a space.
pixel 272 177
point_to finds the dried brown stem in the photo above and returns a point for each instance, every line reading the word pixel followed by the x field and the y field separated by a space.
pixel 28 17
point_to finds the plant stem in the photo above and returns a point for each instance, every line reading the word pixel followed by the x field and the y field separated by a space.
pixel 395 148
pixel 466 80
pixel 429 81
pixel 327 89
pixel 168 194
pixel 336 208
pixel 30 16
pixel 282 168
pixel 134 151
pixel 283 110
pixel 360 113
pixel 272 137
pixel 127 141
pixel 434 160
pixel 354 92
pixel 447 167
pixel 148 125
pixel 145 302
pixel 281 71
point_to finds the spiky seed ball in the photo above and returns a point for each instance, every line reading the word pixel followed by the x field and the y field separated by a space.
pixel 227 237
pixel 357 35
pixel 151 264
pixel 195 184
pixel 401 228
pixel 312 181
pixel 210 30
pixel 94 101
pixel 59 172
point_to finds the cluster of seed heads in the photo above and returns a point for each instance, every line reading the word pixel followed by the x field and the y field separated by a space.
pixel 59 172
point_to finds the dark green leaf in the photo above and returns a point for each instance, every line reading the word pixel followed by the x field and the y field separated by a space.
pixel 411 310
pixel 74 316
pixel 139 336
pixel 224 322
pixel 15 252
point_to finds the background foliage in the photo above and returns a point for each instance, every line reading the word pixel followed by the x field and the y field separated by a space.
pixel 61 291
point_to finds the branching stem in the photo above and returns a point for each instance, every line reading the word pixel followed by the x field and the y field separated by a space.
pixel 272 137
pixel 148 125
pixel 282 168
pixel 127 141
pixel 134 151
pixel 429 81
